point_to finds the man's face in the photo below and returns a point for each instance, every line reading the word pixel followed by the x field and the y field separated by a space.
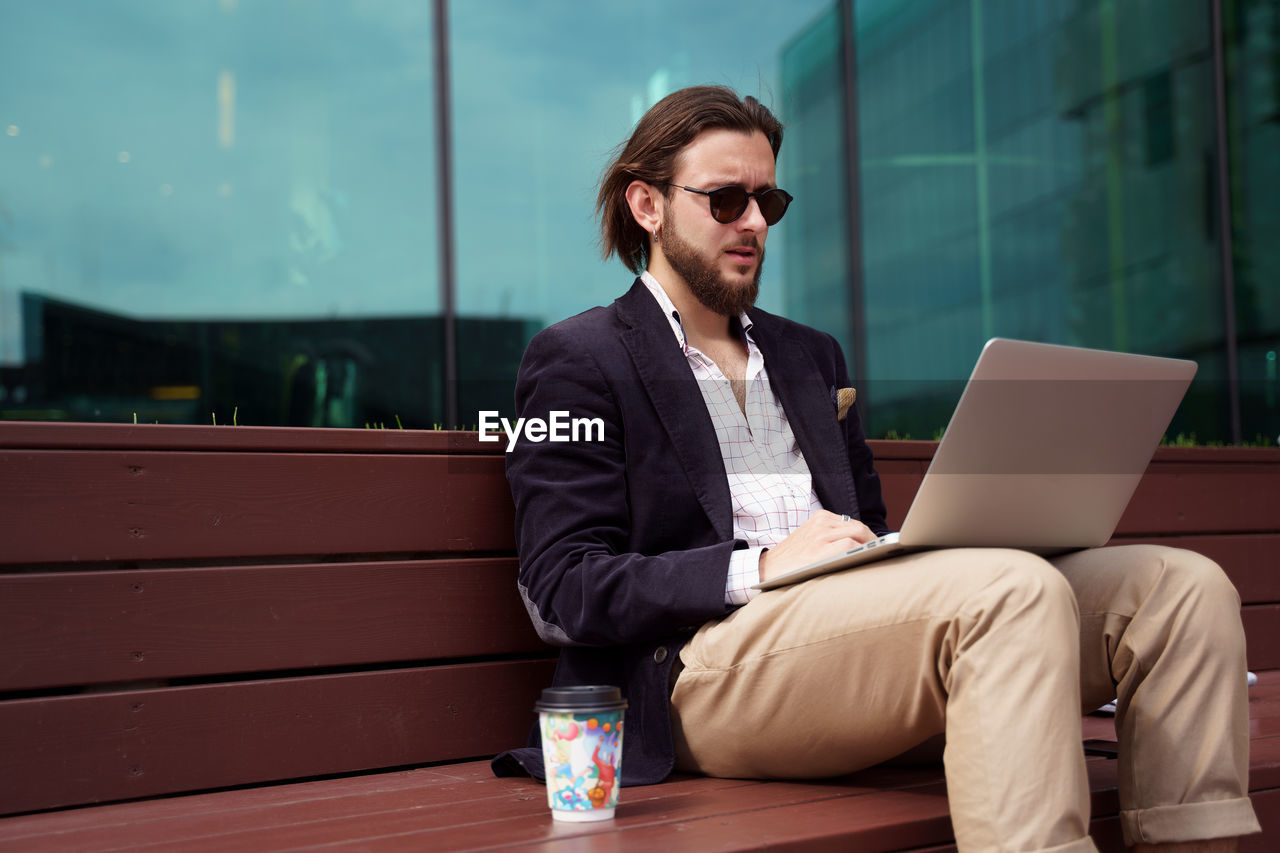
pixel 720 262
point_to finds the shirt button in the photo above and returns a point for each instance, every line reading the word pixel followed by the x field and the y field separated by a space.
pixel 660 655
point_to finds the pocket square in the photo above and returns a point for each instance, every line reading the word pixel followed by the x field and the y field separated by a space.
pixel 843 399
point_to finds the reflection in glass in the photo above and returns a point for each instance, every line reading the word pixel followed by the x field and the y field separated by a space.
pixel 1034 170
pixel 217 208
pixel 1252 44
pixel 231 197
pixel 542 93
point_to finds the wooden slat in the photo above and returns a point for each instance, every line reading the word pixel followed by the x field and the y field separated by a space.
pixel 83 436
pixel 1251 560
pixel 179 816
pixel 899 481
pixel 455 788
pixel 49 435
pixel 1265 727
pixel 1185 491
pixel 62 505
pixel 99 747
pixel 1266 804
pixel 1264 762
pixel 765 817
pixel 116 492
pixel 924 450
pixel 72 628
pixel 1204 497
pixel 520 817
pixel 913 451
pixel 77 436
pixel 1262 635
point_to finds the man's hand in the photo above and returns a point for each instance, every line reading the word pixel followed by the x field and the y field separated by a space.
pixel 824 535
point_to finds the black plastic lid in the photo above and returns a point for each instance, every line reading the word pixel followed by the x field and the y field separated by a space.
pixel 572 700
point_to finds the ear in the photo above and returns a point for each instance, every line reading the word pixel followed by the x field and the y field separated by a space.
pixel 645 201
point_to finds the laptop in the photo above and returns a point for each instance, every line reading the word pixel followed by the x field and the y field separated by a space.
pixel 1043 452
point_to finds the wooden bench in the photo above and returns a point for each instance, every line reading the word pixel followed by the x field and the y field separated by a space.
pixel 257 638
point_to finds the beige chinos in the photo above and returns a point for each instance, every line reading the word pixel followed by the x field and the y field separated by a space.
pixel 1001 650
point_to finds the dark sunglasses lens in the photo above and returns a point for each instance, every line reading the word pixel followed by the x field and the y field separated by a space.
pixel 728 203
pixel 773 203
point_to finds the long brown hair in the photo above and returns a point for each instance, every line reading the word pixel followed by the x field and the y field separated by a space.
pixel 651 152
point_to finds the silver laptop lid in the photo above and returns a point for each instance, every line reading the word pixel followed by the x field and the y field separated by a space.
pixel 1045 447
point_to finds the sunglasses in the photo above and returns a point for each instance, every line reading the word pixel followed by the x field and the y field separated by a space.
pixel 729 203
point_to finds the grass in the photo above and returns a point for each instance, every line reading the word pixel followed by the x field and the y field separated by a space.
pixel 1190 440
pixel 435 427
pixel 894 435
pixel 235 414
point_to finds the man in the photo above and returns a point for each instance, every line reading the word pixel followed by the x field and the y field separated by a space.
pixel 725 460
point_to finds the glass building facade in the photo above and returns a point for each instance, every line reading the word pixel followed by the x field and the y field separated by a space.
pixel 351 212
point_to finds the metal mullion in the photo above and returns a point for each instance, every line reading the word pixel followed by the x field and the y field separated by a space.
pixel 853 204
pixel 444 210
pixel 1224 219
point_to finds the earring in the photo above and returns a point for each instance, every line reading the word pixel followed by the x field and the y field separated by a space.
pixel 657 233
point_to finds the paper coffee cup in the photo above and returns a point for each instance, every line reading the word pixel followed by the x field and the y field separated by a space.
pixel 582 750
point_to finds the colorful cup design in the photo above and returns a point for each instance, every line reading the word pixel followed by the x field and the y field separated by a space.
pixel 582 751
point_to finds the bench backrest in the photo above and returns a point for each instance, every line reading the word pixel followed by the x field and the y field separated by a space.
pixel 189 608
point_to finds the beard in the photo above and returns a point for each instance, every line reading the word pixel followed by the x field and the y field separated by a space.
pixel 704 280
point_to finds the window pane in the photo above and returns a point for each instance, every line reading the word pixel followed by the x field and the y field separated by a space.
pixel 542 94
pixel 1035 170
pixel 217 208
pixel 1253 99
pixel 227 207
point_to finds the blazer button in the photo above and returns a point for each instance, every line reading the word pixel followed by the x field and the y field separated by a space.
pixel 660 655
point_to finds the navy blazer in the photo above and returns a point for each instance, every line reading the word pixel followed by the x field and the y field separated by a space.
pixel 624 543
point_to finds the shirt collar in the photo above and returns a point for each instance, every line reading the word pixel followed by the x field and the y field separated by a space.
pixel 673 316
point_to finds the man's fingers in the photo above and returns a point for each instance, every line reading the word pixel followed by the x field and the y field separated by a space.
pixel 850 527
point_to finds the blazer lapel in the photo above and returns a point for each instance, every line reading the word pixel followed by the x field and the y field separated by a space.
pixel 806 398
pixel 665 374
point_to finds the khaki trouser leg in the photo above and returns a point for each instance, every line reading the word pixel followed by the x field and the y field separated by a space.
pixel 1161 633
pixel 848 670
